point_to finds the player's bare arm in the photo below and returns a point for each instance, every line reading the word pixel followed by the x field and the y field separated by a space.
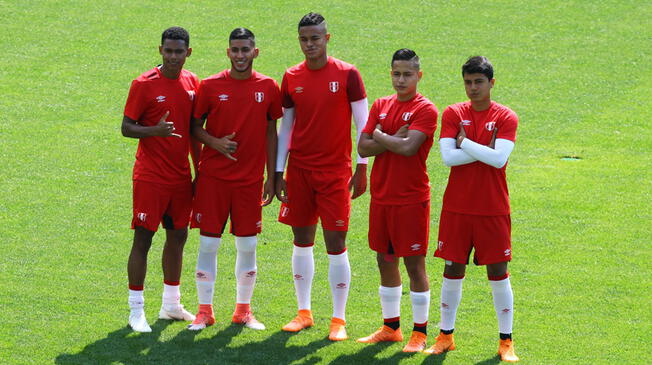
pixel 269 189
pixel 225 145
pixel 164 128
pixel 369 147
pixel 405 146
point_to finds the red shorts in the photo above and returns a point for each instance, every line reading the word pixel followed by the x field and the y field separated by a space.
pixel 490 236
pixel 156 203
pixel 314 194
pixel 216 200
pixel 400 230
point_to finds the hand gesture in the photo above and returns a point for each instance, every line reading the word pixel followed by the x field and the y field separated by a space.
pixel 281 188
pixel 268 191
pixel 226 146
pixel 492 144
pixel 165 128
pixel 460 136
pixel 358 182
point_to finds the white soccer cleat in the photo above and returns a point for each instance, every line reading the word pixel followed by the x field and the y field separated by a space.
pixel 249 321
pixel 175 312
pixel 138 322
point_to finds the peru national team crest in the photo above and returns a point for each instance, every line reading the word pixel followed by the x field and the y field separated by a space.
pixel 259 96
pixel 490 126
pixel 407 116
pixel 333 86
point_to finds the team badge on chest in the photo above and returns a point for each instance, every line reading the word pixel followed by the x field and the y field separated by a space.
pixel 333 86
pixel 259 96
pixel 490 126
pixel 407 116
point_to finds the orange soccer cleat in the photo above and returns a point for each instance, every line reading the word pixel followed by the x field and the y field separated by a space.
pixel 506 351
pixel 417 342
pixel 384 334
pixel 442 344
pixel 203 319
pixel 337 331
pixel 301 321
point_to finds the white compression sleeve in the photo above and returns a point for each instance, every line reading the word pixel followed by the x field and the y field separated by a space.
pixel 492 157
pixel 284 134
pixel 360 111
pixel 451 155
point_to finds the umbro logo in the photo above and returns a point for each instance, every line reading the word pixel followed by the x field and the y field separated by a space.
pixel 251 274
pixel 223 97
pixel 416 247
pixel 259 224
pixel 341 286
pixel 298 89
pixel 506 310
pixel 444 305
pixel 298 277
pixel 339 223
pixel 160 98
pixel 382 116
pixel 466 122
pixel 508 252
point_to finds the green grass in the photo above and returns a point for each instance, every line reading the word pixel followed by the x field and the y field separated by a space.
pixel 577 73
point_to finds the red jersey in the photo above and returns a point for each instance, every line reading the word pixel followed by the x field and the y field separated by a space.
pixel 162 160
pixel 477 188
pixel 243 107
pixel 321 134
pixel 397 179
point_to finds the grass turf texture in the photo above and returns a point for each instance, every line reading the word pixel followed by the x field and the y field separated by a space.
pixel 577 75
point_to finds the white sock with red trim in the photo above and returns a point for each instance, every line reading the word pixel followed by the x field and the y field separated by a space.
pixel 136 301
pixel 206 268
pixel 339 277
pixel 245 268
pixel 451 295
pixel 171 295
pixel 503 303
pixel 303 269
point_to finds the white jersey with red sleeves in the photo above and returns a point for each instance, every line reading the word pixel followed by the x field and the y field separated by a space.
pixel 242 107
pixel 162 160
pixel 321 134
pixel 397 179
pixel 477 188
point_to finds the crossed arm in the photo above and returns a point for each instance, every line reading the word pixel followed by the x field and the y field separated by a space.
pixel 404 142
pixel 461 150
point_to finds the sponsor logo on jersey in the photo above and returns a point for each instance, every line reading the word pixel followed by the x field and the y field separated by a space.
pixel 259 96
pixel 298 89
pixel 142 217
pixel 490 126
pixel 440 245
pixel 341 286
pixel 333 86
pixel 382 116
pixel 508 252
pixel 198 217
pixel 416 247
pixel 160 98
pixel 223 97
pixel 339 223
pixel 407 116
pixel 191 94
pixel 285 211
pixel 466 122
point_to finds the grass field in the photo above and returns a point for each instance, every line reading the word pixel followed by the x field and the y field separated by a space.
pixel 577 73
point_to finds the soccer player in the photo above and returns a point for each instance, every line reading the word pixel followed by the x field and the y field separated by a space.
pixel 400 134
pixel 476 140
pixel 240 107
pixel 319 96
pixel 158 112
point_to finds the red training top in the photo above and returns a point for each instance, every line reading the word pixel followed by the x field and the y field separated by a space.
pixel 397 179
pixel 162 160
pixel 243 107
pixel 478 188
pixel 321 135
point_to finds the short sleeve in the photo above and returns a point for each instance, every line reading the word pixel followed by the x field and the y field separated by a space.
pixel 507 126
pixel 202 102
pixel 275 110
pixel 136 105
pixel 425 120
pixel 286 98
pixel 354 86
pixel 449 123
pixel 372 120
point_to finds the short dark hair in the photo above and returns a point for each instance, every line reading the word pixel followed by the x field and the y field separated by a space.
pixel 311 19
pixel 176 33
pixel 242 33
pixel 406 54
pixel 478 65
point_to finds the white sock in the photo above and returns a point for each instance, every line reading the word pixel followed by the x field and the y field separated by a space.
pixel 171 295
pixel 339 277
pixel 503 303
pixel 136 301
pixel 390 300
pixel 245 268
pixel 206 268
pixel 420 306
pixel 451 295
pixel 303 269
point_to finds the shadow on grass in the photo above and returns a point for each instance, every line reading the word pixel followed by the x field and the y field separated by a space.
pixel 490 361
pixel 369 353
pixel 124 346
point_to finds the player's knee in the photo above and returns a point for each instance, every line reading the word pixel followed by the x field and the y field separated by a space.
pixel 208 244
pixel 245 244
pixel 177 237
